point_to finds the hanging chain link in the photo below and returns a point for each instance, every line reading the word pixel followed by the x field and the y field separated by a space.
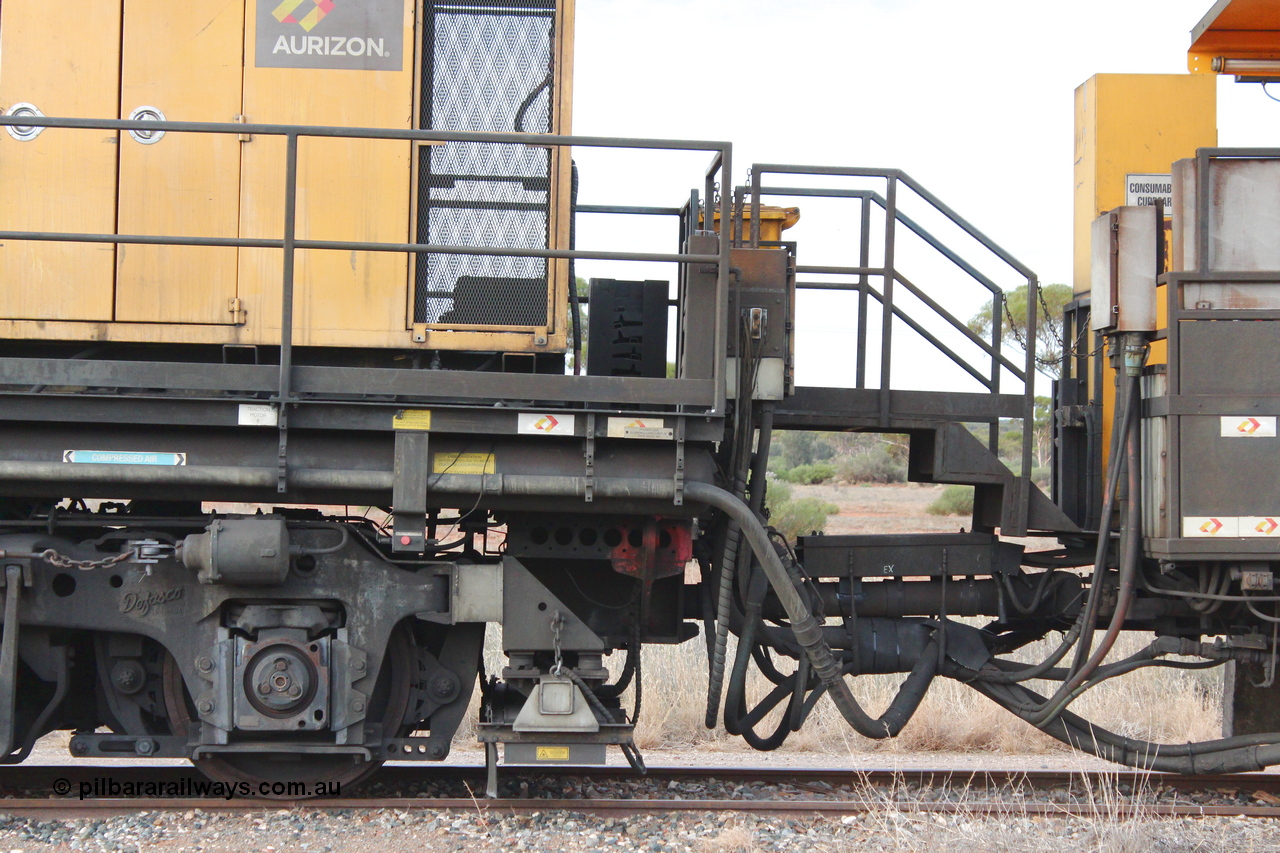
pixel 62 561
pixel 557 621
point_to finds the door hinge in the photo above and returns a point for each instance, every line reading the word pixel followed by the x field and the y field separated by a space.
pixel 236 307
pixel 243 137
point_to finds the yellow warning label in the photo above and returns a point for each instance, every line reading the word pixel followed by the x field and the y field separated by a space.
pixel 553 753
pixel 412 419
pixel 462 463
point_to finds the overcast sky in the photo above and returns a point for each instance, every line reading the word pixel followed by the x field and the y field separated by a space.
pixel 975 100
pixel 972 99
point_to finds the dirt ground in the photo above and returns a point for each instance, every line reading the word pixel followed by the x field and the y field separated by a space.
pixel 894 508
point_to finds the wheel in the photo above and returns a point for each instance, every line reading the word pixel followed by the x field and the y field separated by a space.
pixel 388 704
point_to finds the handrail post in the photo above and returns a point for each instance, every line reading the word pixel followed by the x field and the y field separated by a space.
pixel 864 259
pixel 997 337
pixel 286 307
pixel 1028 423
pixel 886 320
pixel 755 207
pixel 722 275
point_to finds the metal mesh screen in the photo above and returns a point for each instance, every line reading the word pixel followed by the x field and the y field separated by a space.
pixel 487 67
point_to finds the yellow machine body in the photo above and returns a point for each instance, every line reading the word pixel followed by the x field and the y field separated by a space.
pixel 1131 125
pixel 205 62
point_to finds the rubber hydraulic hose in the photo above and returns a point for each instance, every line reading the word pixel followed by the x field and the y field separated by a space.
pixel 807 631
pixel 1128 569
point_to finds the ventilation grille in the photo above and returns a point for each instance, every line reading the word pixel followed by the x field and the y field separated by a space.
pixel 487 67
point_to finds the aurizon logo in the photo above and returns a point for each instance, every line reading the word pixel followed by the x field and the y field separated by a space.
pixel 284 13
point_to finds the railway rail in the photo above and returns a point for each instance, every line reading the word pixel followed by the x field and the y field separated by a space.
pixel 46 791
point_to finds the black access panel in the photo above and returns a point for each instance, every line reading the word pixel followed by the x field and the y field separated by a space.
pixel 627 328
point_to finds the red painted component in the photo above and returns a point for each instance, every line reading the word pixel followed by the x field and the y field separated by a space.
pixel 665 546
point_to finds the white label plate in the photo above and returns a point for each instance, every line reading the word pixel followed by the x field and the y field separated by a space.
pixel 1248 426
pixel 540 423
pixel 640 428
pixel 258 414
pixel 1143 190
pixel 1213 527
pixel 1260 527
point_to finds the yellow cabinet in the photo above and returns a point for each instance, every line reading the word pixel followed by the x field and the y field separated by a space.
pixel 182 61
pixel 63 59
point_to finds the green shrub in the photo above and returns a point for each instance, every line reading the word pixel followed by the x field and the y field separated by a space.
pixel 954 500
pixel 800 517
pixel 817 472
pixel 878 466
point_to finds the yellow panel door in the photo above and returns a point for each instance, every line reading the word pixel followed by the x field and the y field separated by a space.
pixel 350 65
pixel 63 59
pixel 182 61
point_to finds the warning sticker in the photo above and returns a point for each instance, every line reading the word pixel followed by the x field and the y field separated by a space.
pixel 463 463
pixel 1220 527
pixel 1260 527
pixel 536 423
pixel 419 419
pixel 639 428
pixel 1248 426
pixel 552 753
pixel 123 457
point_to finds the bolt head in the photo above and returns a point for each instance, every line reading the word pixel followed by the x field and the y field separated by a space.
pixel 358 665
pixel 357 705
pixel 204 706
pixel 79 747
pixel 435 751
pixel 442 685
pixel 204 663
pixel 144 747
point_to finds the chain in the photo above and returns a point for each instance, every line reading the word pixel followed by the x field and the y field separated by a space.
pixel 557 620
pixel 62 561
pixel 1054 331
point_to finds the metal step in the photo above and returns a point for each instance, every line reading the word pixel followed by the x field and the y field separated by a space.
pixel 942 449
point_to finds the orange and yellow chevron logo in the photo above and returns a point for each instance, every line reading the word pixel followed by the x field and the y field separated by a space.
pixel 284 13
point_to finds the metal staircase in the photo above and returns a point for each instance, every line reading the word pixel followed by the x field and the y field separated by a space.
pixel 942 448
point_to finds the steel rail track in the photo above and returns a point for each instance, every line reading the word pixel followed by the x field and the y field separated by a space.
pixel 28 792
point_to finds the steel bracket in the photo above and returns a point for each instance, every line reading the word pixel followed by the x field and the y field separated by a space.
pixel 9 657
pixel 409 492
pixel 589 453
pixel 678 497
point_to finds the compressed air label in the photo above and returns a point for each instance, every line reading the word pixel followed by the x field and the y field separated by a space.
pixel 419 419
pixel 258 414
pixel 537 423
pixel 640 428
pixel 1246 426
pixel 1260 527
pixel 1217 527
pixel 552 753
pixel 123 457
pixel 463 463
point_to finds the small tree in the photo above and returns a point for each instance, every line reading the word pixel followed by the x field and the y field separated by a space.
pixel 1013 325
